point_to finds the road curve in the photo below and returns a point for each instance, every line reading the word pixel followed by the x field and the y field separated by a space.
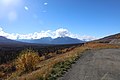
pixel 101 64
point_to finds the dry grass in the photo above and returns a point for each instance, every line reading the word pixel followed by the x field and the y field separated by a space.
pixel 93 45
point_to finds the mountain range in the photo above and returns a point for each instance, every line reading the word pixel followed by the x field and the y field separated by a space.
pixel 45 40
pixel 49 40
pixel 112 39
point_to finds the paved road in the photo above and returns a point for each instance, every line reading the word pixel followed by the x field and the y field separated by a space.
pixel 96 65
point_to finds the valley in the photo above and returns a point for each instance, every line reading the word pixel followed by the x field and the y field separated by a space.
pixel 53 61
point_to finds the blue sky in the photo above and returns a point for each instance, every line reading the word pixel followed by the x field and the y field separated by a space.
pixel 96 18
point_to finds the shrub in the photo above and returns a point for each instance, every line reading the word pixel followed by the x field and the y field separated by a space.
pixel 27 61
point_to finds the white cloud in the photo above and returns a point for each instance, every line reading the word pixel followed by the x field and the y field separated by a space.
pixel 45 3
pixel 37 35
pixel 61 32
pixel 26 8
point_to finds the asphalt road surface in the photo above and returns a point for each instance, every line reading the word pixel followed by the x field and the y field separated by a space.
pixel 101 64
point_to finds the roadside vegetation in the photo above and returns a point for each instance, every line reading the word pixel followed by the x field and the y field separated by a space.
pixel 27 61
pixel 29 65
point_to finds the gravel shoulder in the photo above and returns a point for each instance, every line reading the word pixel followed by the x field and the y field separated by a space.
pixel 101 64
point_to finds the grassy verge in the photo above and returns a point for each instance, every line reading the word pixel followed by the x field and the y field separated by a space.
pixel 61 68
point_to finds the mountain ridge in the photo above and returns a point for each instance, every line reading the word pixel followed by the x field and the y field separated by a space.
pixel 49 40
pixel 109 39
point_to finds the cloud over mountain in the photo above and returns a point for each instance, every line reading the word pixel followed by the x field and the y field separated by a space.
pixel 37 35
